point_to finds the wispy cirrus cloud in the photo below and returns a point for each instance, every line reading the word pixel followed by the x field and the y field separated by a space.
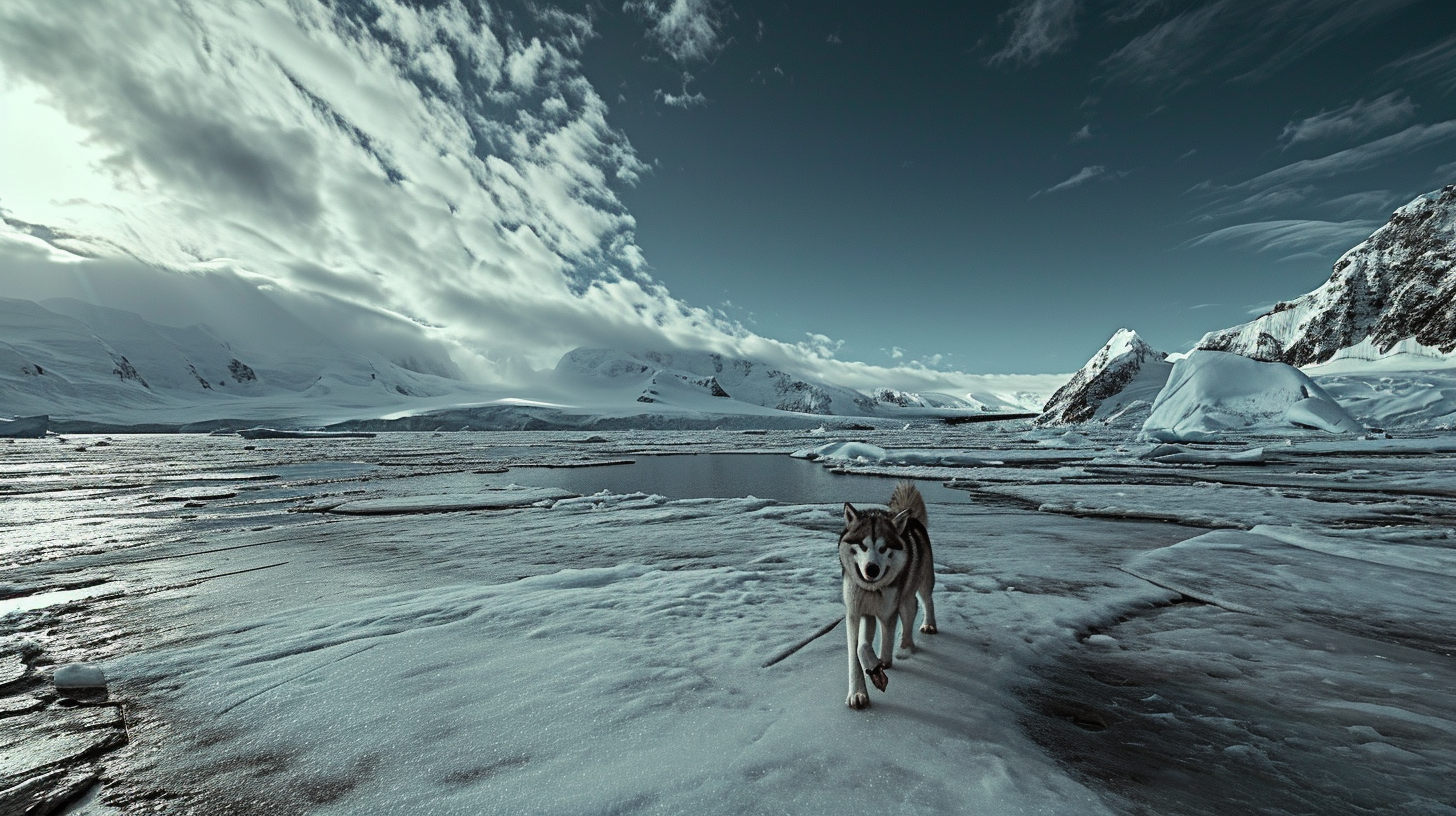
pixel 1128 10
pixel 1040 28
pixel 1352 159
pixel 1261 201
pixel 1293 238
pixel 688 30
pixel 1436 62
pixel 1094 172
pixel 1352 121
pixel 1368 202
pixel 1248 39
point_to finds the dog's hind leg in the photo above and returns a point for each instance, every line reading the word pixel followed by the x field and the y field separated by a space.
pixel 929 626
pixel 907 629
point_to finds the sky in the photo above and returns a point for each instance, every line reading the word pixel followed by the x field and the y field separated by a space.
pixel 864 192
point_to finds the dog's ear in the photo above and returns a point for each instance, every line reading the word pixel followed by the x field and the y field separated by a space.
pixel 851 515
pixel 900 520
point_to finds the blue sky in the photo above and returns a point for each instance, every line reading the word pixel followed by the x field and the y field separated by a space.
pixel 875 194
pixel 1006 184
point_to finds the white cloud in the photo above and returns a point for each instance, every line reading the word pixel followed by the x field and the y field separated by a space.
pixel 283 149
pixel 1249 38
pixel 1323 238
pixel 688 30
pixel 1082 135
pixel 1276 198
pixel 1437 61
pixel 1368 202
pixel 1128 10
pixel 683 100
pixel 1356 158
pixel 1350 122
pixel 1081 177
pixel 1040 29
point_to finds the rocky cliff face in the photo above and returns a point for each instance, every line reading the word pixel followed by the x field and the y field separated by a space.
pixel 1123 376
pixel 1396 291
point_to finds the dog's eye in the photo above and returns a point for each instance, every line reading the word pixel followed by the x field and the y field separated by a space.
pixel 884 550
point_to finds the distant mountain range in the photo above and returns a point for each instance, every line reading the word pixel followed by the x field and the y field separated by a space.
pixel 73 359
pixel 85 363
pixel 1390 301
pixel 686 378
pixel 1392 296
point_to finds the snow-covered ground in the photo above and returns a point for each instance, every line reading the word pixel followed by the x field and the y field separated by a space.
pixel 1125 627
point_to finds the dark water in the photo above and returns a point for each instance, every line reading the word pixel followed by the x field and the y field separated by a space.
pixel 728 475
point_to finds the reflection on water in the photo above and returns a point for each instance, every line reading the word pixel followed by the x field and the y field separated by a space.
pixel 727 475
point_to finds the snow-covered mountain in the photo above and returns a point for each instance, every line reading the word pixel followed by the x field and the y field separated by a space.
pixel 94 366
pixel 926 399
pixel 76 360
pixel 713 382
pixel 1393 294
pixel 1120 382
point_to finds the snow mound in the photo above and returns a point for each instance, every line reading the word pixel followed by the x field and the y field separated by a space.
pixel 1118 384
pixel 1210 393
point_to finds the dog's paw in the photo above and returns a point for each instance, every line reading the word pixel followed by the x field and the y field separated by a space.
pixel 878 677
pixel 929 629
pixel 902 653
pixel 858 700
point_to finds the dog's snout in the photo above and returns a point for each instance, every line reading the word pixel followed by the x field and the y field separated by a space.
pixel 872 571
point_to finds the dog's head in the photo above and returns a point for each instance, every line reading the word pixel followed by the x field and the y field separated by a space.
pixel 872 547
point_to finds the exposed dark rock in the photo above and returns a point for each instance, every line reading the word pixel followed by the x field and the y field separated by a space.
pixel 242 373
pixel 126 371
pixel 1107 381
pixel 1397 285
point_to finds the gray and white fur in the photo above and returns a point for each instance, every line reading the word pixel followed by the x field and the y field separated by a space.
pixel 886 560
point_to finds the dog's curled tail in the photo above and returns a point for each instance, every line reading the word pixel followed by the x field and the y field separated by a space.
pixel 907 497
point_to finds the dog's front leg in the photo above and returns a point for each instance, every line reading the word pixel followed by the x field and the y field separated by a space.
pixel 887 641
pixel 874 667
pixel 859 696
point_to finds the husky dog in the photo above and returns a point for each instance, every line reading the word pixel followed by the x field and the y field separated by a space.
pixel 886 561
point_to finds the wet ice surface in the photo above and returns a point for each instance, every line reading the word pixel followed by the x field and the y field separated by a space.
pixel 1283 646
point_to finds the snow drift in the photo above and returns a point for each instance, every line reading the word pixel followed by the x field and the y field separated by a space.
pixel 1210 393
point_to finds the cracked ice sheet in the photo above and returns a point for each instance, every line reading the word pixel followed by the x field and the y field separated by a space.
pixel 1210 504
pixel 1357 583
pixel 629 687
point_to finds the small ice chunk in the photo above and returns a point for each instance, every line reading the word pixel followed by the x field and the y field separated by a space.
pixel 1102 641
pixel 79 676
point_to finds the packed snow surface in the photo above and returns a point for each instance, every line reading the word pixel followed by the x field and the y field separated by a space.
pixel 1125 627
